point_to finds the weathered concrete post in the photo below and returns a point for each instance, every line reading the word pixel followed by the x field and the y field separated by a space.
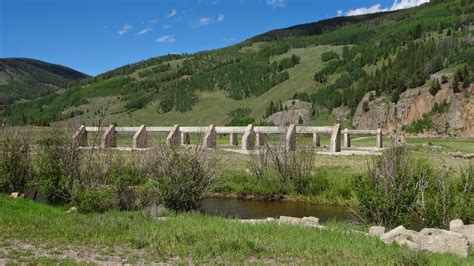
pixel 260 139
pixel 248 140
pixel 185 140
pixel 233 139
pixel 347 138
pixel 140 139
pixel 316 140
pixel 290 138
pixel 174 136
pixel 379 138
pixel 109 139
pixel 335 145
pixel 209 140
pixel 80 136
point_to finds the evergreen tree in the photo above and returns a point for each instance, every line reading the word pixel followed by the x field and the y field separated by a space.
pixel 435 87
pixel 300 120
pixel 365 106
pixel 455 85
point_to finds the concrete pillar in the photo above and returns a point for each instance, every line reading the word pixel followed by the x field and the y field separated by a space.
pixel 260 139
pixel 109 139
pixel 316 140
pixel 140 139
pixel 233 139
pixel 209 140
pixel 80 136
pixel 290 138
pixel 185 140
pixel 347 138
pixel 248 140
pixel 335 145
pixel 174 136
pixel 379 138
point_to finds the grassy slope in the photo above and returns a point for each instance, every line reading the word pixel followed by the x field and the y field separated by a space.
pixel 136 237
pixel 213 107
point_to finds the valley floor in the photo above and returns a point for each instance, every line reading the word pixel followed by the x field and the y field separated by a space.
pixel 38 233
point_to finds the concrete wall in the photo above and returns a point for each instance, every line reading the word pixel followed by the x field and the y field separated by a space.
pixel 252 136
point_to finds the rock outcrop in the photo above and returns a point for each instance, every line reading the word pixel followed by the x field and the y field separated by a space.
pixel 295 112
pixel 466 230
pixel 455 241
pixel 455 118
pixel 442 241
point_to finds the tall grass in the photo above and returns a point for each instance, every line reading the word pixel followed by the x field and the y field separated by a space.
pixel 196 238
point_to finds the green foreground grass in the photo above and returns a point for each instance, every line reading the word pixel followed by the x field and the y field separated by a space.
pixel 38 233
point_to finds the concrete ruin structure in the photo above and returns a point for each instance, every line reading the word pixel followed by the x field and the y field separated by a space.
pixel 252 137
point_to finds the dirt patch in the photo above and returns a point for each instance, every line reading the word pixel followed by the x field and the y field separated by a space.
pixel 20 251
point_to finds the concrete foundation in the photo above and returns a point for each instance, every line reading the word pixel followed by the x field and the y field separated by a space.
pixel 335 144
pixel 140 139
pixel 209 140
pixel 290 138
pixel 109 139
pixel 379 138
pixel 80 136
pixel 260 139
pixel 233 139
pixel 174 137
pixel 347 138
pixel 248 140
pixel 316 140
pixel 185 140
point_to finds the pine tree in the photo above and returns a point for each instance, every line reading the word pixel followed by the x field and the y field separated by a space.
pixel 435 87
pixel 365 106
pixel 455 85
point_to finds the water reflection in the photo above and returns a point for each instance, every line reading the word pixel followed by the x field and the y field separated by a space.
pixel 255 209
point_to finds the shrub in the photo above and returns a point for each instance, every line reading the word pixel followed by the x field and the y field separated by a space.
pixel 58 160
pixel 389 192
pixel 365 107
pixel 330 55
pixel 446 198
pixel 286 167
pixel 441 107
pixel 97 199
pixel 183 176
pixel 423 124
pixel 16 169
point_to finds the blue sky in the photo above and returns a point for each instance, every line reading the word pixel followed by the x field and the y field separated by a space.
pixel 94 36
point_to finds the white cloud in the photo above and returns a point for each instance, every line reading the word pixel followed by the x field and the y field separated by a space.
pixel 276 3
pixel 204 21
pixel 172 13
pixel 166 38
pixel 407 4
pixel 339 13
pixel 125 29
pixel 397 5
pixel 220 18
pixel 366 10
pixel 143 31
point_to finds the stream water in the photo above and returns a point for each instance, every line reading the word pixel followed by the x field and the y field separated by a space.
pixel 255 209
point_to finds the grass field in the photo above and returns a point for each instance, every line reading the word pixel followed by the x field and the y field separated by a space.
pixel 40 234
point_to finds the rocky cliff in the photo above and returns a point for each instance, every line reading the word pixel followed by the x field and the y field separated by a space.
pixel 418 112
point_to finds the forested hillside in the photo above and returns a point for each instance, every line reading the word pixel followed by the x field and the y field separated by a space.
pixel 333 64
pixel 24 78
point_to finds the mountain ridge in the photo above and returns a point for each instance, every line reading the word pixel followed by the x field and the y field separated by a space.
pixel 28 78
pixel 388 53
